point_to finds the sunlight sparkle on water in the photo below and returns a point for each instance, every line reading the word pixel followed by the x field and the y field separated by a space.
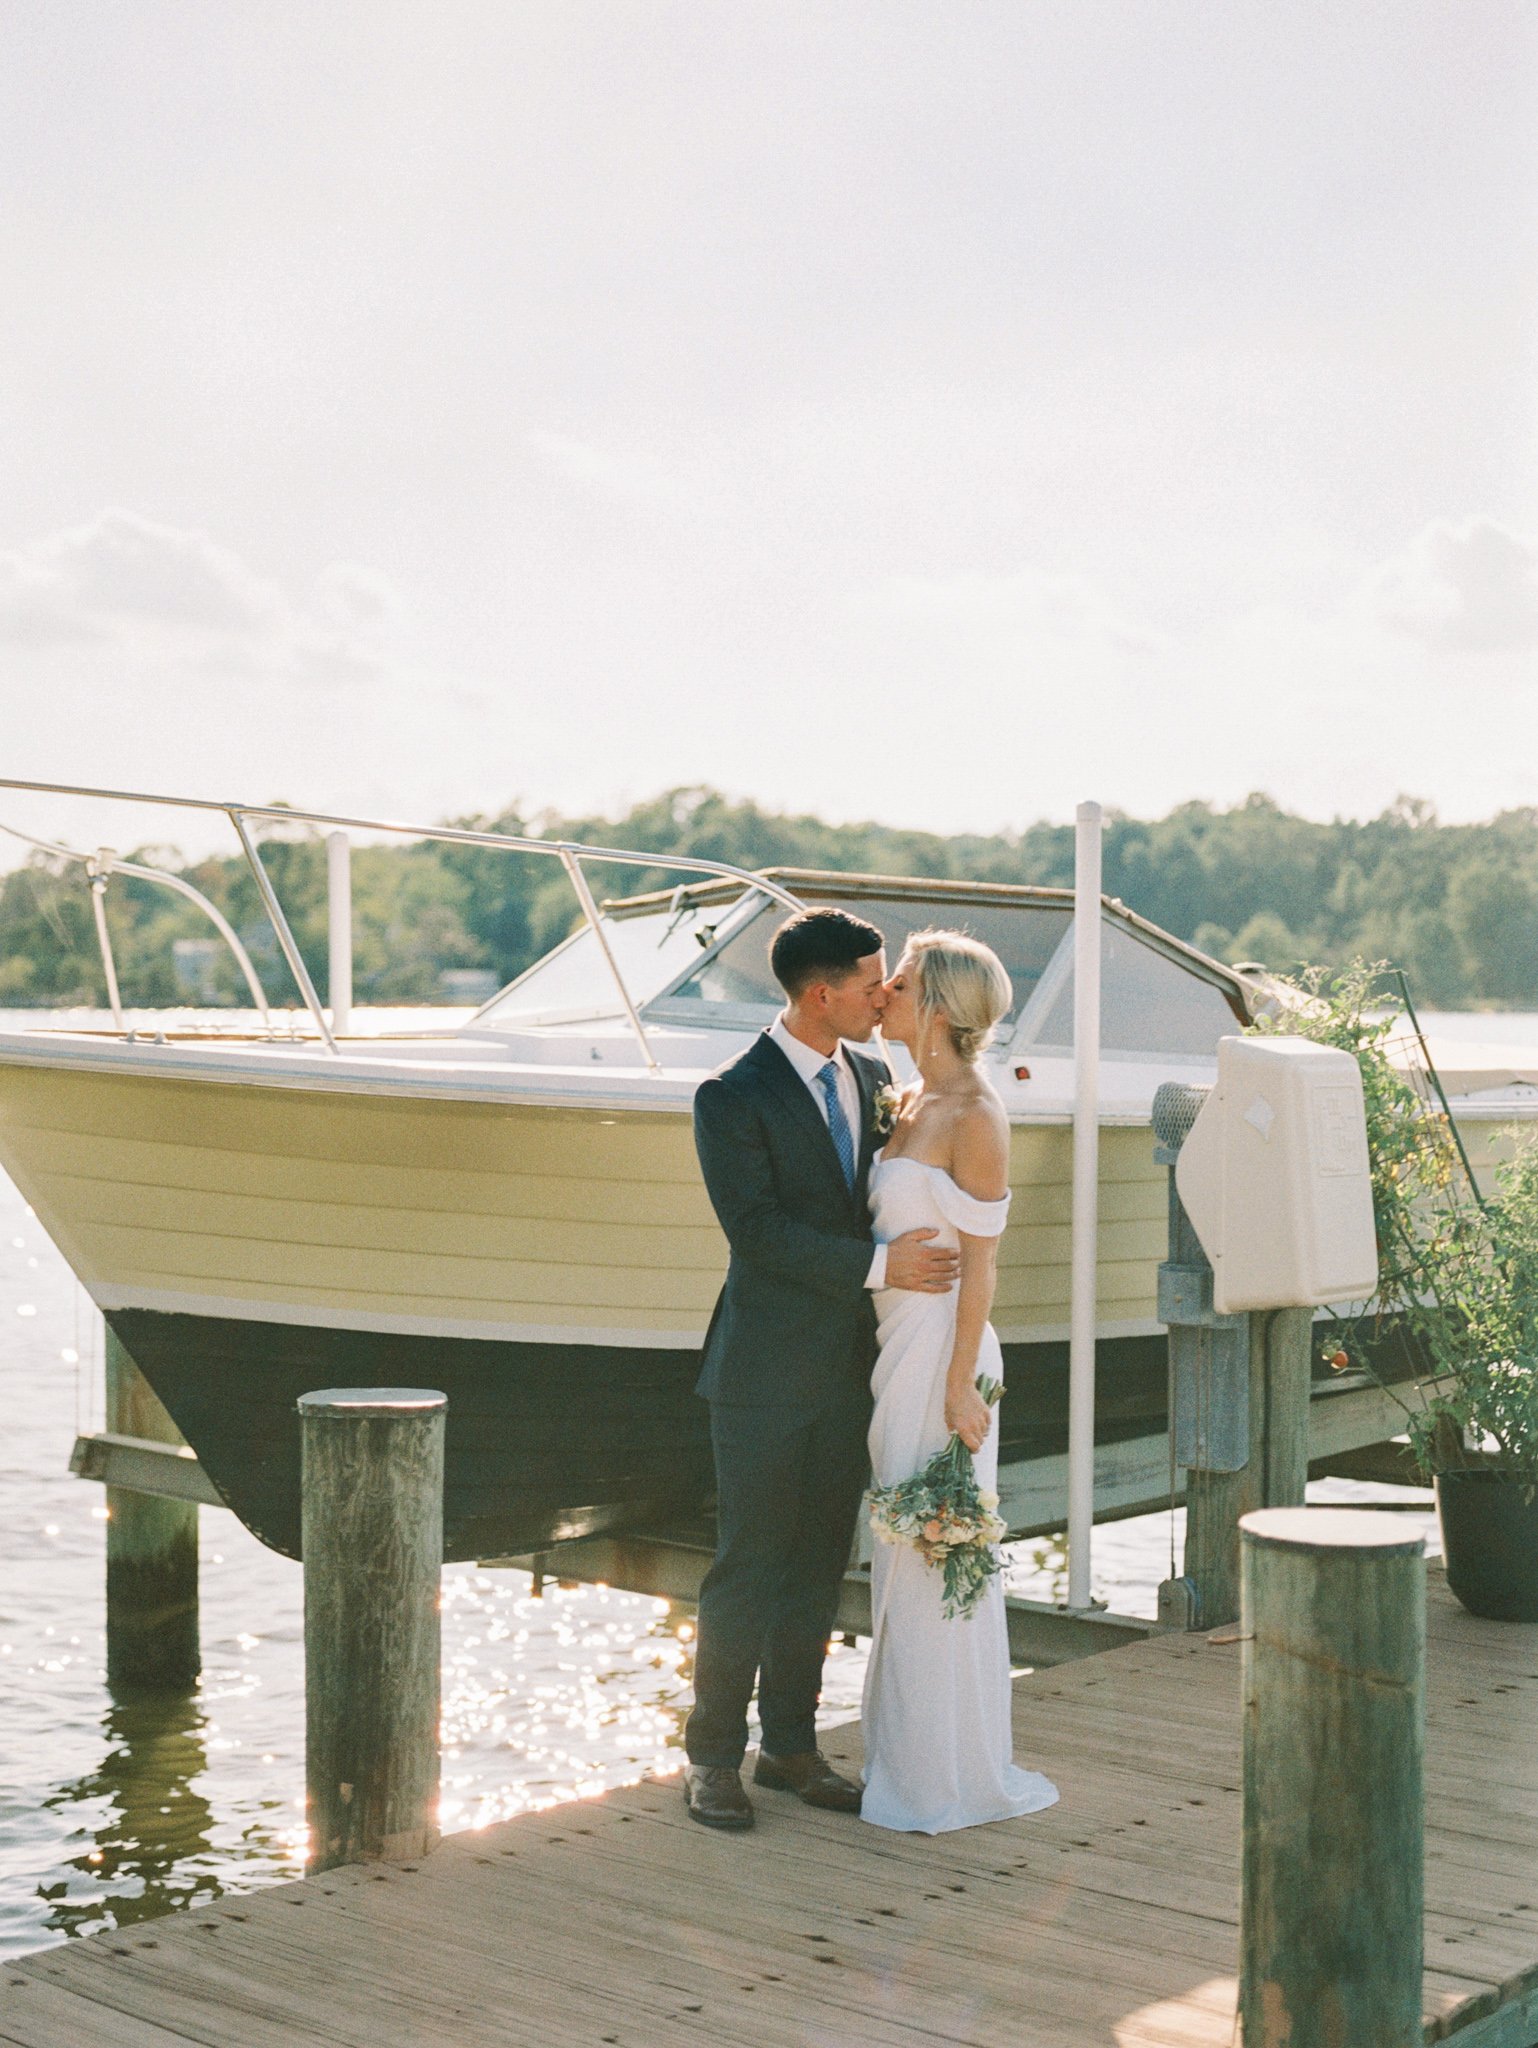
pixel 118 1813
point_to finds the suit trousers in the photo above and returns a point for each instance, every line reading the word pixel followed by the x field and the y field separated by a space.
pixel 788 1491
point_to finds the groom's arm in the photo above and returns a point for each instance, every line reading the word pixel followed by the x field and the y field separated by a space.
pixel 734 1159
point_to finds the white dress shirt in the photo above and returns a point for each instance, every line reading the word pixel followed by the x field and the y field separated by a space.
pixel 809 1063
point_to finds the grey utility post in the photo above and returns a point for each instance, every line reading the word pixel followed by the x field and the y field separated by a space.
pixel 152 1553
pixel 1239 1393
pixel 1278 1346
pixel 372 1536
pixel 1334 1713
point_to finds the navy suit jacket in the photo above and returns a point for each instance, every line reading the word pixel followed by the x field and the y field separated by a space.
pixel 795 1323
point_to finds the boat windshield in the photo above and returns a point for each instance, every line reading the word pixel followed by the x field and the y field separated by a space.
pixel 575 983
pixel 1149 1002
pixel 734 986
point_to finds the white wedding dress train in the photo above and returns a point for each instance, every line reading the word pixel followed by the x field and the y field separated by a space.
pixel 938 1751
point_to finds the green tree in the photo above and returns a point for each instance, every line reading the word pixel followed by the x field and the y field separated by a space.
pixel 1493 909
pixel 1265 938
pixel 1455 906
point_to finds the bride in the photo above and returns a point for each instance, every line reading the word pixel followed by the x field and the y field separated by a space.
pixel 938 1752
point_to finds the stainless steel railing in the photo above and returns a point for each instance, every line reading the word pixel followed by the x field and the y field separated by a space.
pixel 100 866
pixel 104 863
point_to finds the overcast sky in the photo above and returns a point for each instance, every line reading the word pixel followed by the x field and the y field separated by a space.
pixel 934 413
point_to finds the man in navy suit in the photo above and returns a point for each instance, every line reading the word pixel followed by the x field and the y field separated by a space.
pixel 785 1135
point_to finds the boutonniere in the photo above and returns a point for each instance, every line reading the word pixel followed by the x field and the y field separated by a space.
pixel 883 1115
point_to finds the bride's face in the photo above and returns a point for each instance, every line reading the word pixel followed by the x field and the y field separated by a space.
pixel 899 1020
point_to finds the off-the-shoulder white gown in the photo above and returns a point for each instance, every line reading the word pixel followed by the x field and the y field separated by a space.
pixel 938 1753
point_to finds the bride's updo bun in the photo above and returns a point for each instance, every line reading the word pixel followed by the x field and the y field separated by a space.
pixel 964 980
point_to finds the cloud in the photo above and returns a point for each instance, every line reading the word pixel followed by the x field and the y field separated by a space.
pixel 1470 588
pixel 608 473
pixel 127 584
pixel 1010 627
pixel 346 595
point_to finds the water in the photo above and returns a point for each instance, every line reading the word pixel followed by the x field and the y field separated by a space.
pixel 112 1813
pixel 1483 1027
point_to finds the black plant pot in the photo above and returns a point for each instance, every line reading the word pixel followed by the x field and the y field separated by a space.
pixel 1489 1522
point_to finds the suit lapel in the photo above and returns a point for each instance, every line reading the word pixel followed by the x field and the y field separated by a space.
pixel 793 1092
pixel 867 1081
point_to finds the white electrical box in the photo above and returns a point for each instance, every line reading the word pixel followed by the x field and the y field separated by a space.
pixel 1274 1177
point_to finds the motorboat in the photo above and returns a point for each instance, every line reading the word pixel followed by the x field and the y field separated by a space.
pixel 510 1211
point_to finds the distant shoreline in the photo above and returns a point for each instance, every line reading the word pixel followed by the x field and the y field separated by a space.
pixel 1454 906
pixel 1496 1027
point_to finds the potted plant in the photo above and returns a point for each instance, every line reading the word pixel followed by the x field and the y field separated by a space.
pixel 1457 1291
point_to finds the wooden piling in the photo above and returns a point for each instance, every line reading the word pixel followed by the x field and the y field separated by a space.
pixel 372 1537
pixel 1276 1476
pixel 152 1554
pixel 1334 1709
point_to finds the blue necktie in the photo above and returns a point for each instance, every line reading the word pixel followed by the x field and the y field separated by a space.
pixel 838 1123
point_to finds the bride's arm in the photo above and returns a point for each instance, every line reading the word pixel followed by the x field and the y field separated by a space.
pixel 980 1168
pixel 966 1411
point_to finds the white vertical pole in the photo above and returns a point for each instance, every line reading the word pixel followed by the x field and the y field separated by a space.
pixel 1086 1201
pixel 339 905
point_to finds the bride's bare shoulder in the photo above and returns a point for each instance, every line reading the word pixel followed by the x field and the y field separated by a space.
pixel 980 1148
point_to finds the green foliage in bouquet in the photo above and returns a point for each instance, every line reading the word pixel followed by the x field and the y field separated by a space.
pixel 947 1518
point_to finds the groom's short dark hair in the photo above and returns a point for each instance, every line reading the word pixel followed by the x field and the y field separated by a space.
pixel 820 945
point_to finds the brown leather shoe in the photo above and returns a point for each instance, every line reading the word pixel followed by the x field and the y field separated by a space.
pixel 811 1777
pixel 713 1796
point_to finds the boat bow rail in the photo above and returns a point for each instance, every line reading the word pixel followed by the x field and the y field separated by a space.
pixel 245 818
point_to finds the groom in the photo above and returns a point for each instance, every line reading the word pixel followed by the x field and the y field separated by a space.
pixel 785 1135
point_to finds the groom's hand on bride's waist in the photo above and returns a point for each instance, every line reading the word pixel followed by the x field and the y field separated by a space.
pixel 923 1268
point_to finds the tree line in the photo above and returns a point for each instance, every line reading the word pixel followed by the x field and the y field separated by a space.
pixel 1456 906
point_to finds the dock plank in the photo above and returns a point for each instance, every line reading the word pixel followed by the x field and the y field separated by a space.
pixel 47 2016
pixel 1110 1919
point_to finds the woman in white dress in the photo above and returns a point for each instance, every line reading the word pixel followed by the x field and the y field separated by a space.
pixel 938 1752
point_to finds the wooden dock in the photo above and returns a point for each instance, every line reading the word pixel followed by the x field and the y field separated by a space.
pixel 1111 1919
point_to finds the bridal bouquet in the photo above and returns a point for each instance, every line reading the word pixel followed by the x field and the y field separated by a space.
pixel 944 1515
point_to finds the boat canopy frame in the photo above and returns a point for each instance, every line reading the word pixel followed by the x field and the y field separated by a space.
pixel 1240 991
pixel 243 817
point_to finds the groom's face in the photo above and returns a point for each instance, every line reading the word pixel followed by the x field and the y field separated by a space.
pixel 854 1005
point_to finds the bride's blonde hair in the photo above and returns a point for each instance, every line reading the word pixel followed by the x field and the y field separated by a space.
pixel 961 978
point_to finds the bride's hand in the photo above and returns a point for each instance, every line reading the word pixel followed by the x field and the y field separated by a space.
pixel 968 1414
